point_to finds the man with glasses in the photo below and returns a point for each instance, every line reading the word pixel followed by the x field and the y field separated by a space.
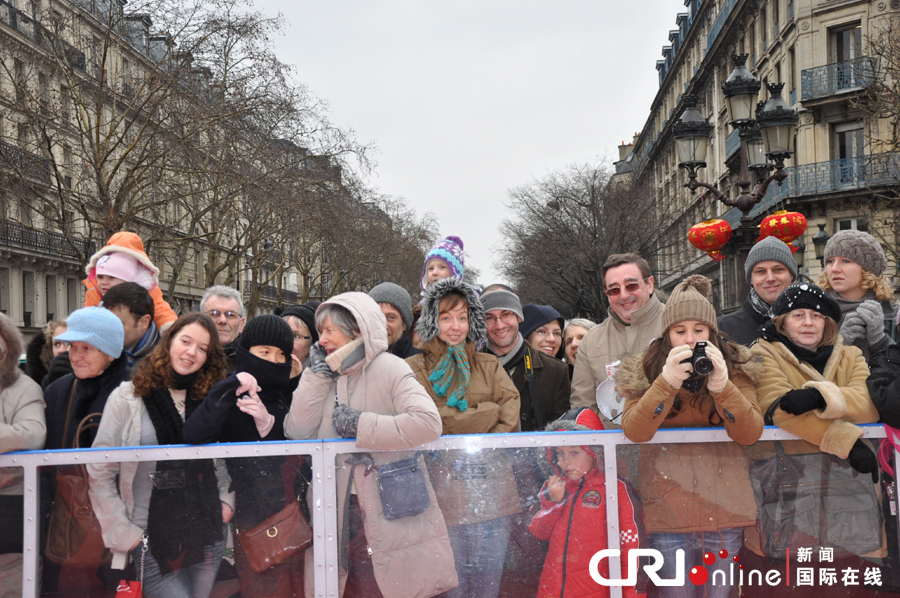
pixel 543 385
pixel 635 319
pixel 542 381
pixel 224 305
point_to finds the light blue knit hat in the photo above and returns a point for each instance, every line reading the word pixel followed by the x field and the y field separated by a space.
pixel 97 327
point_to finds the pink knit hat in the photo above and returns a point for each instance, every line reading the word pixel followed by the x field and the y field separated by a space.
pixel 124 267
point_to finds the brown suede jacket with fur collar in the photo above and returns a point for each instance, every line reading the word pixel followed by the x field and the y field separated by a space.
pixel 694 487
pixel 842 384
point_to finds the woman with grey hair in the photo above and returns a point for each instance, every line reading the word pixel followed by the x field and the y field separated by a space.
pixel 22 427
pixel 575 330
pixel 354 388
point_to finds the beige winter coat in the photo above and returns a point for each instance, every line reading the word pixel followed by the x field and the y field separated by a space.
pixel 411 556
pixel 22 427
pixel 609 342
pixel 112 483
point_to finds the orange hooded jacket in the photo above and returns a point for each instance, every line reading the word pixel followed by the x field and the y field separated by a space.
pixel 130 244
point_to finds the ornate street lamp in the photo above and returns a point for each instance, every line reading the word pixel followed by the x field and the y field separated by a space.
pixel 766 132
pixel 820 240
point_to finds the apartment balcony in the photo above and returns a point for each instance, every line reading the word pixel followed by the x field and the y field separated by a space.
pixel 732 144
pixel 24 163
pixel 821 178
pixel 822 83
pixel 13 234
pixel 271 293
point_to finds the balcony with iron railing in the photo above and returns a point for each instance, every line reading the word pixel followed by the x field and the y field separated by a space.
pixel 732 144
pixel 834 176
pixel 14 234
pixel 839 77
pixel 24 163
pixel 270 293
pixel 719 23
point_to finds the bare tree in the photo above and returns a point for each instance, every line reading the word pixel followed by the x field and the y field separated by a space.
pixel 565 226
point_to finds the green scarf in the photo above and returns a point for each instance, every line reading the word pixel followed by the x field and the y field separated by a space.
pixel 454 365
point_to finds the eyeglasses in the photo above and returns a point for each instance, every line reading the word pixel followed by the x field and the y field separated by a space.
pixel 229 315
pixel 798 316
pixel 631 287
pixel 506 316
pixel 300 337
pixel 544 332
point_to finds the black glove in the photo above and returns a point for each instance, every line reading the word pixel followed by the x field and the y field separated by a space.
pixel 863 460
pixel 318 364
pixel 344 420
pixel 802 400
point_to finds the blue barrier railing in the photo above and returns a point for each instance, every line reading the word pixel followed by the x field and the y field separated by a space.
pixel 837 77
pixel 328 456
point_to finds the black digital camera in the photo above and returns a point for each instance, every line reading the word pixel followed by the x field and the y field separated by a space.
pixel 702 364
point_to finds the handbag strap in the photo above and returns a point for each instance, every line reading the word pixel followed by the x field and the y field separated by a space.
pixel 65 436
pixel 83 426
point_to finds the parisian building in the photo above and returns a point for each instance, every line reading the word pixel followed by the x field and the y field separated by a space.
pixel 840 175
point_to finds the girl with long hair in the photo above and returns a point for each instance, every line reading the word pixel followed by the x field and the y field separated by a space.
pixel 168 515
pixel 697 497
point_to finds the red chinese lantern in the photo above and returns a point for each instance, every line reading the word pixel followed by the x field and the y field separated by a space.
pixel 783 225
pixel 710 236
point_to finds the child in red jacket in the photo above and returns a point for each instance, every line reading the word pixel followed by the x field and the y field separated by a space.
pixel 573 517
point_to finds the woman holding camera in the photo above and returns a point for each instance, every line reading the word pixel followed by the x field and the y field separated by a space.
pixel 697 497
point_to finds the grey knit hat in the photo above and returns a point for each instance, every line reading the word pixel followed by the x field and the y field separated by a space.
pixel 501 299
pixel 862 248
pixel 394 294
pixel 770 249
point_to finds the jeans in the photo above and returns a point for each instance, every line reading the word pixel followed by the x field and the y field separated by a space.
pixel 195 581
pixel 479 550
pixel 695 545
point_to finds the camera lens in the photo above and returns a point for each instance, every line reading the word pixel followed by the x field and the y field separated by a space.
pixel 703 366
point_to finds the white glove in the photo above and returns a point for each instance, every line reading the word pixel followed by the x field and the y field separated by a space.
pixel 719 376
pixel 675 372
pixel 254 407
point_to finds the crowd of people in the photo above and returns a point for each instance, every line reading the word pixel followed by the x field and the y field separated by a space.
pixel 125 370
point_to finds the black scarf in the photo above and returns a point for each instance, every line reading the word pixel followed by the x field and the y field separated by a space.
pixel 185 514
pixel 817 359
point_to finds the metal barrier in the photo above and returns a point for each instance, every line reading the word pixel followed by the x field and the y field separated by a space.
pixel 324 502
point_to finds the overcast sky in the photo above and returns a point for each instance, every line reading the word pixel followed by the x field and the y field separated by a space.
pixel 468 99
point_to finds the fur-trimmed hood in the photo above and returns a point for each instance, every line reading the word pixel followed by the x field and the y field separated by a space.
pixel 631 380
pixel 369 318
pixel 427 326
pixel 9 366
pixel 129 244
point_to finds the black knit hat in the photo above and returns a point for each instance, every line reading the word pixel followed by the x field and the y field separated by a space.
pixel 805 295
pixel 306 313
pixel 268 329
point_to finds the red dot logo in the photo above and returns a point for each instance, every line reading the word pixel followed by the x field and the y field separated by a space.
pixel 736 558
pixel 723 554
pixel 709 558
pixel 698 575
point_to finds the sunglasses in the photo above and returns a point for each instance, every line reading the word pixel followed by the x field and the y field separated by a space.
pixel 631 287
